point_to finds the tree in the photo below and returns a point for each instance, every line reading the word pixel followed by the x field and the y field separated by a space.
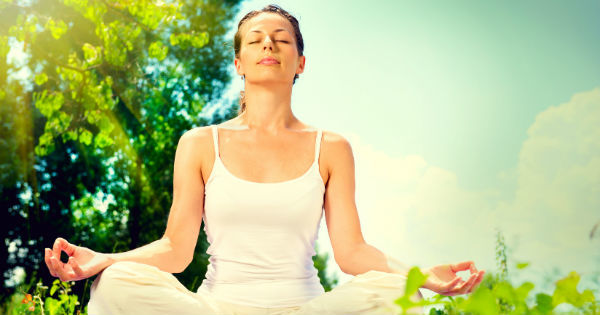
pixel 115 85
pixel 92 116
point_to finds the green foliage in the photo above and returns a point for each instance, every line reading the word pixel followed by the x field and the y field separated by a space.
pixel 184 40
pixel 497 295
pixel 414 281
pixel 99 119
pixel 501 260
pixel 158 50
pixel 59 300
pixel 566 292
pixel 504 298
pixel 57 27
pixel 320 263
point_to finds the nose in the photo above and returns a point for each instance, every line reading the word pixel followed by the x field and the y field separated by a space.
pixel 268 43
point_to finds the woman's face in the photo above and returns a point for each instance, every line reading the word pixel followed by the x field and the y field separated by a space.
pixel 268 34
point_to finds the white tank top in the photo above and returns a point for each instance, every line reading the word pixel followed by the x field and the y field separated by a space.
pixel 262 236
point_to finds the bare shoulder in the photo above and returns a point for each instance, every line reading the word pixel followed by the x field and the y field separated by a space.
pixel 197 142
pixel 200 138
pixel 201 133
pixel 334 142
pixel 336 150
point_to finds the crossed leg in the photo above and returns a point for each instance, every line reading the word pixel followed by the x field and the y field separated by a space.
pixel 372 292
pixel 133 288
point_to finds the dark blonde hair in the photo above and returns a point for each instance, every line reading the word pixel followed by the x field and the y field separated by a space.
pixel 237 39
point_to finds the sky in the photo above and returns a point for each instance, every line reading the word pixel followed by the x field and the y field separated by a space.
pixel 464 118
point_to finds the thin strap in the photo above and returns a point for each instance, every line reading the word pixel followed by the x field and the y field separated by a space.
pixel 318 145
pixel 216 141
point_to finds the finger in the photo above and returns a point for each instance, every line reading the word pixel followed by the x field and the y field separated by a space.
pixel 461 287
pixel 54 267
pixel 76 268
pixel 450 285
pixel 47 255
pixel 465 265
pixel 478 281
pixel 69 248
pixel 63 245
pixel 62 275
pixel 468 284
pixel 56 250
pixel 473 269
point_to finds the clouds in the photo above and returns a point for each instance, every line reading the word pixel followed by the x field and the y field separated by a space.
pixel 416 212
pixel 545 205
pixel 557 199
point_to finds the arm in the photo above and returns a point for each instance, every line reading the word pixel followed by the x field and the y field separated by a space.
pixel 174 251
pixel 366 257
pixel 159 253
pixel 352 254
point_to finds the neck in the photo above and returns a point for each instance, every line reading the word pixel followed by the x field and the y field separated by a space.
pixel 268 108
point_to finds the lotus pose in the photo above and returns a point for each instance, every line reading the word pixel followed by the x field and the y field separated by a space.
pixel 261 182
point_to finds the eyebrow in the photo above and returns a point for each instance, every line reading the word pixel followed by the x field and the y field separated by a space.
pixel 275 31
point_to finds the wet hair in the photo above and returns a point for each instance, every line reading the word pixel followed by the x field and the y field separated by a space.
pixel 237 39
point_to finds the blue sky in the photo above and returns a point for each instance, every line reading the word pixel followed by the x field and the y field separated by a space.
pixel 464 117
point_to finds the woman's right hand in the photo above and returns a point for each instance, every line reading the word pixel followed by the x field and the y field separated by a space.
pixel 83 262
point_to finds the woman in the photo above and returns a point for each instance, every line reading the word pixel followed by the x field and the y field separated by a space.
pixel 260 182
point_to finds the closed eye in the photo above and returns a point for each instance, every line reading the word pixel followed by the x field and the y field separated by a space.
pixel 283 41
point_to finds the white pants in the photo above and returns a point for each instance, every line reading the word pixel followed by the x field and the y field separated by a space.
pixel 135 288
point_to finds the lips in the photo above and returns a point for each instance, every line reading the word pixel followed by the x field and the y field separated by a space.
pixel 268 61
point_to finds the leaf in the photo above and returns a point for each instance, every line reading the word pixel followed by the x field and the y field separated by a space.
pixel 158 50
pixel 481 302
pixel 544 303
pixel 522 265
pixel 48 104
pixel 54 288
pixel 57 28
pixel 85 136
pixel 45 139
pixel 51 305
pixel 505 291
pixel 523 291
pixel 102 140
pixel 105 125
pixel 4 47
pixel 414 281
pixel 64 121
pixel 174 39
pixel 90 53
pixel 200 40
pixel 69 135
pixel 41 78
pixel 566 291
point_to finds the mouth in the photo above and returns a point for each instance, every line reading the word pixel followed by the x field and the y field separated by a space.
pixel 269 61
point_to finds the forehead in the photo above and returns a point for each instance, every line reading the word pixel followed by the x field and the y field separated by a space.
pixel 267 22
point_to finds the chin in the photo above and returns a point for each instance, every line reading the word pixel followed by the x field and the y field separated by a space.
pixel 269 80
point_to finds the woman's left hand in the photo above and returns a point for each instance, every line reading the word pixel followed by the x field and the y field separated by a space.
pixel 443 279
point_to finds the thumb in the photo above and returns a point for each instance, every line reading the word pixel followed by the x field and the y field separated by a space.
pixel 76 268
pixel 447 286
pixel 69 248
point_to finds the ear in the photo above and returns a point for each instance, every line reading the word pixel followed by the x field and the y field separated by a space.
pixel 238 66
pixel 302 60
